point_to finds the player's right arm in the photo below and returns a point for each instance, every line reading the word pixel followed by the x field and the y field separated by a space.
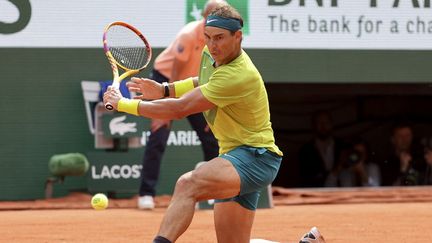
pixel 191 103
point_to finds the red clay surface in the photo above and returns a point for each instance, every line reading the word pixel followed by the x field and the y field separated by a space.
pixel 351 222
pixel 354 223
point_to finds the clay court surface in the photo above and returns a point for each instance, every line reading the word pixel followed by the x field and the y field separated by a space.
pixel 389 218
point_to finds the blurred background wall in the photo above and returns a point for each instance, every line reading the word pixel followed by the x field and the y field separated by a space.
pixel 367 63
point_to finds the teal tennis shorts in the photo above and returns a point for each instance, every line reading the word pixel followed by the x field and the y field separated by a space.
pixel 257 168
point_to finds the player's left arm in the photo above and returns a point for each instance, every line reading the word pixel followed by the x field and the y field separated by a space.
pixel 190 103
pixel 151 90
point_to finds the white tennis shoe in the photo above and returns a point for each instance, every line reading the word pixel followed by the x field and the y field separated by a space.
pixel 313 236
pixel 146 202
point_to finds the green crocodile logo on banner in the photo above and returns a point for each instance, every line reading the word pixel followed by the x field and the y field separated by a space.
pixel 24 9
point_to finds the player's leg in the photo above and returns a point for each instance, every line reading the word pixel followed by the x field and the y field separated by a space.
pixel 233 222
pixel 208 141
pixel 215 179
pixel 257 168
pixel 236 176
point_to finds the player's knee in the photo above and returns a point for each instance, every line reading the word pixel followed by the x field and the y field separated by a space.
pixel 187 185
pixel 184 184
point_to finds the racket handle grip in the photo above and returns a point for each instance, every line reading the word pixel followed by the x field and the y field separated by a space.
pixel 116 85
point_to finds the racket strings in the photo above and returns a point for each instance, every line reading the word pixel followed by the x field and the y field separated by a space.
pixel 127 48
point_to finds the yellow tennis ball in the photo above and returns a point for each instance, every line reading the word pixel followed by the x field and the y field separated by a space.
pixel 99 201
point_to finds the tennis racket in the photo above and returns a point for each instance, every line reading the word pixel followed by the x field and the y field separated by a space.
pixel 127 48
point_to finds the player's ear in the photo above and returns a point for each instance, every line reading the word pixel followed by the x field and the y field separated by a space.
pixel 239 35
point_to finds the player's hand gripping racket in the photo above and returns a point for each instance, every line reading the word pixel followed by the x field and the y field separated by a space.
pixel 127 48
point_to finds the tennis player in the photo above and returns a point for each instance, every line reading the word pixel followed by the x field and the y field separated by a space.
pixel 180 60
pixel 232 95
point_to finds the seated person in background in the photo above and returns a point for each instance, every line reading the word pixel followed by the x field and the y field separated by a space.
pixel 402 166
pixel 427 148
pixel 357 169
pixel 319 158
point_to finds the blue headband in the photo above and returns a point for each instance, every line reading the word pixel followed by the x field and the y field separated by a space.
pixel 230 24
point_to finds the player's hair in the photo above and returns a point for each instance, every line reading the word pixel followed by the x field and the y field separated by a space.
pixel 211 5
pixel 227 11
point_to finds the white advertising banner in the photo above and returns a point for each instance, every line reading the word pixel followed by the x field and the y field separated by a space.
pixel 293 24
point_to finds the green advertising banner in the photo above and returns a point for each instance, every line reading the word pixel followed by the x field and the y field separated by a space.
pixel 118 173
